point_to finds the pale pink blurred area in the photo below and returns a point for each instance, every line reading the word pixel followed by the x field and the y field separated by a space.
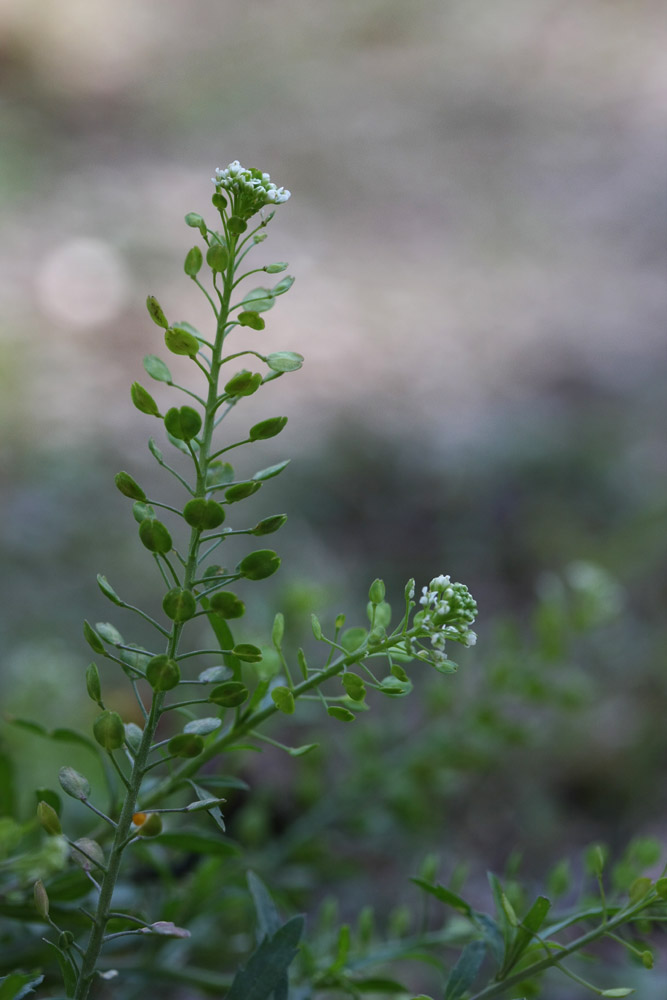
pixel 478 205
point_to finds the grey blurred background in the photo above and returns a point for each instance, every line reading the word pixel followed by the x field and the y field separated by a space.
pixel 478 232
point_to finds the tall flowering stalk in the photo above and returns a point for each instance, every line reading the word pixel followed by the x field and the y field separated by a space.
pixel 238 699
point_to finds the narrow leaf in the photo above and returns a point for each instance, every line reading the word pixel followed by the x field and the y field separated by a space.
pixel 465 971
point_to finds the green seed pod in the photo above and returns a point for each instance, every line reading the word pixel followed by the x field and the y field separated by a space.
pixel 181 342
pixel 217 257
pixel 377 591
pixel 151 825
pixel 179 604
pixel 141 511
pixel 196 221
pixel 267 428
pixel 316 627
pixel 283 286
pixel 155 536
pixel 92 638
pixel 93 684
pixel 241 491
pixel 354 686
pixel 246 652
pixel 204 514
pixel 278 630
pixel 48 819
pixel 283 699
pixel 87 854
pixel 244 383
pixel 108 590
pixel 162 673
pixel 41 899
pixel 269 524
pixel 219 201
pixel 183 424
pixel 73 783
pixel 276 268
pixel 185 745
pixel 229 695
pixel 249 317
pixel 133 735
pixel 227 605
pixel 155 312
pixel 109 633
pixel 143 400
pixel 258 565
pixel 285 361
pixel 193 262
pixel 340 713
pixel 109 731
pixel 377 635
pixel 236 225
pixel 128 487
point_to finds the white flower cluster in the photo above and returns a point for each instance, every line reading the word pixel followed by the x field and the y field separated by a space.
pixel 253 188
pixel 449 611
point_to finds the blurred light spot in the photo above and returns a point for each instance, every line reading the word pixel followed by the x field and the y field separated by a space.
pixel 83 283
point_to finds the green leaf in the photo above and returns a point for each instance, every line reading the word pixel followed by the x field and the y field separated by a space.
pixel 267 966
pixel 271 471
pixel 143 400
pixel 530 924
pixel 353 638
pixel 225 640
pixel 179 341
pixel 266 429
pixel 465 971
pixel 378 984
pixel 7 786
pixel 268 920
pixel 155 312
pixel 67 968
pixel 284 361
pixel 156 368
pixel 18 985
pixel 259 565
pixel 198 843
pixel 202 727
pixel 283 699
pixel 251 319
pixel 445 896
pixel 340 713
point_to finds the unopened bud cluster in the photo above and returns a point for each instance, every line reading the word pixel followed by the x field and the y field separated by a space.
pixel 250 188
pixel 449 610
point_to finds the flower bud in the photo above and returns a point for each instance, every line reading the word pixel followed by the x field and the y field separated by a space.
pixel 41 899
pixel 109 731
pixel 48 819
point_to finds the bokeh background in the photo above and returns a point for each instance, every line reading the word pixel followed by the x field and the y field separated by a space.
pixel 478 231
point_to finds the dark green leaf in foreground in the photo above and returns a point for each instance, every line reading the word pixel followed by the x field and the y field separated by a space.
pixel 465 971
pixel 18 985
pixel 268 965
